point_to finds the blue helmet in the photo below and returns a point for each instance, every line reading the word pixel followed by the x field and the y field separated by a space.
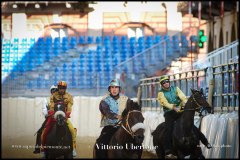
pixel 114 82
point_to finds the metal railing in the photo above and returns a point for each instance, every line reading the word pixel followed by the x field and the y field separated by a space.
pixel 225 92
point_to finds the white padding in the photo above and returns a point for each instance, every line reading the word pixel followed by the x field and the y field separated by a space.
pixel 137 126
pixel 59 113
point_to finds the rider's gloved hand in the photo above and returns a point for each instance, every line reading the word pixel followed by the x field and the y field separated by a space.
pixel 50 113
pixel 119 117
pixel 68 114
pixel 176 108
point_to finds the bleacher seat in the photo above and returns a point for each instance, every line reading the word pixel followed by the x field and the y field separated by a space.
pixel 98 40
pixel 90 39
pixel 73 42
pixel 81 40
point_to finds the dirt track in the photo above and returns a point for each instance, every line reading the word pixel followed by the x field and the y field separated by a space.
pixel 23 148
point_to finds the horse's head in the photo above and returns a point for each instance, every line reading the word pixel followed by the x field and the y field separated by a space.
pixel 59 106
pixel 60 118
pixel 132 121
pixel 201 104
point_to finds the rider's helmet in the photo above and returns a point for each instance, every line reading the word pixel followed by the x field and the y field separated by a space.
pixel 114 82
pixel 164 78
pixel 62 85
pixel 53 88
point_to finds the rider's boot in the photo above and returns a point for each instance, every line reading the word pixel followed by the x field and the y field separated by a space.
pixel 43 153
pixel 74 149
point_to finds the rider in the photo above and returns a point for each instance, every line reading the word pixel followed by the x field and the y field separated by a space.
pixel 45 109
pixel 61 94
pixel 172 99
pixel 111 108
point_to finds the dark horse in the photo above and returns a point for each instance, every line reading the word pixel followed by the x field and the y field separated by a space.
pixel 59 139
pixel 185 141
pixel 126 142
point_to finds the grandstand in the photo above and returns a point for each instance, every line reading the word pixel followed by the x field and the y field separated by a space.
pixel 36 64
pixel 89 58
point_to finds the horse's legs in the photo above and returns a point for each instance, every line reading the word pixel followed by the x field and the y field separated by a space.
pixel 202 137
pixel 140 153
pixel 180 155
pixel 160 151
pixel 68 155
pixel 197 154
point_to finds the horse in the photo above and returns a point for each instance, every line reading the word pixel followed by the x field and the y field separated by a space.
pixel 127 140
pixel 185 141
pixel 59 139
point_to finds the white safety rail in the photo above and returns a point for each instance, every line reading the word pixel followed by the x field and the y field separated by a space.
pixel 221 130
pixel 23 116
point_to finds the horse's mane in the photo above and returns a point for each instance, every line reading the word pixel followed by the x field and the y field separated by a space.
pixel 131 105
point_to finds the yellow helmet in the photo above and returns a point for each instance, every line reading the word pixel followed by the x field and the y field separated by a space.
pixel 163 78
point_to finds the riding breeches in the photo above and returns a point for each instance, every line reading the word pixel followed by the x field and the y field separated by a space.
pixel 170 118
pixel 72 130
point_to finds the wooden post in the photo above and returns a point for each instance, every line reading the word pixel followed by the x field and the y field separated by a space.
pixel 210 91
pixel 139 94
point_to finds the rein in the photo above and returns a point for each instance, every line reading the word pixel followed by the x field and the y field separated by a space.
pixel 193 109
pixel 128 128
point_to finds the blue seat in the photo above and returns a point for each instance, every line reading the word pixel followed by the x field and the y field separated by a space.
pixel 106 41
pixel 98 39
pixel 81 40
pixel 49 40
pixel 124 39
pixel 73 42
pixel 184 41
pixel 90 39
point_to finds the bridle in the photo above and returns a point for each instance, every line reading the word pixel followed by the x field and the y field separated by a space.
pixel 131 130
pixel 198 109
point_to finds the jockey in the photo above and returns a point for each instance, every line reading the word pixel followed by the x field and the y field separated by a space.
pixel 111 108
pixel 173 99
pixel 68 101
pixel 45 109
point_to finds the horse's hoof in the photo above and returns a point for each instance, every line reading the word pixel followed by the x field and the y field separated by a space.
pixel 36 151
pixel 209 146
pixel 170 156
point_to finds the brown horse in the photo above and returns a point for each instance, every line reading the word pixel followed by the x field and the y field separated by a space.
pixel 59 139
pixel 184 136
pixel 126 142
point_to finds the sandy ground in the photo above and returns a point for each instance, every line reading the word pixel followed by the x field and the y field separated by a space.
pixel 23 148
